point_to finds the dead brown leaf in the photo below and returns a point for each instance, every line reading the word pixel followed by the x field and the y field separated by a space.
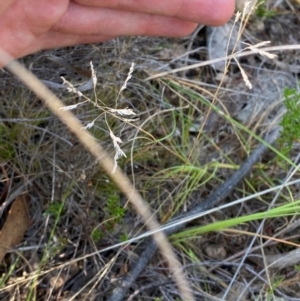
pixel 15 226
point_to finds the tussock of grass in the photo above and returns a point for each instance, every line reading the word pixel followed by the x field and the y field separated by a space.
pixel 187 141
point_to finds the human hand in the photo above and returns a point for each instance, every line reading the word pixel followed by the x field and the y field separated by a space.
pixel 27 26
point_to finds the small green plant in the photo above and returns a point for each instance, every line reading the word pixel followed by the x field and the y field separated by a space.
pixel 114 210
pixel 291 121
pixel 97 235
pixel 124 237
pixel 297 268
pixel 263 12
pixel 55 209
pixel 277 282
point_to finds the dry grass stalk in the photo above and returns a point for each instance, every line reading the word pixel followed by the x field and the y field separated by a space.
pixel 126 80
pixel 256 49
pixel 244 75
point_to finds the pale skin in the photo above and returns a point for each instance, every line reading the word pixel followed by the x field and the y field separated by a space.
pixel 27 26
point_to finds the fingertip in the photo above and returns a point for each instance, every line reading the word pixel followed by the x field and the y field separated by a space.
pixel 184 30
pixel 219 12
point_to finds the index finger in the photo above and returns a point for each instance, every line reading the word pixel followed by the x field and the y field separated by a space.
pixel 212 12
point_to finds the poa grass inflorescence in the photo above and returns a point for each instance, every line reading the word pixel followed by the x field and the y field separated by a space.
pixel 126 115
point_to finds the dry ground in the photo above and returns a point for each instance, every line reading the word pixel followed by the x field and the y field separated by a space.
pixel 194 130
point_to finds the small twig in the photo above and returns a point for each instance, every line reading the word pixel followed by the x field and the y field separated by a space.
pixel 212 200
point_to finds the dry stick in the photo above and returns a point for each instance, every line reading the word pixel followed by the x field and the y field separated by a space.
pixel 212 200
pixel 106 162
